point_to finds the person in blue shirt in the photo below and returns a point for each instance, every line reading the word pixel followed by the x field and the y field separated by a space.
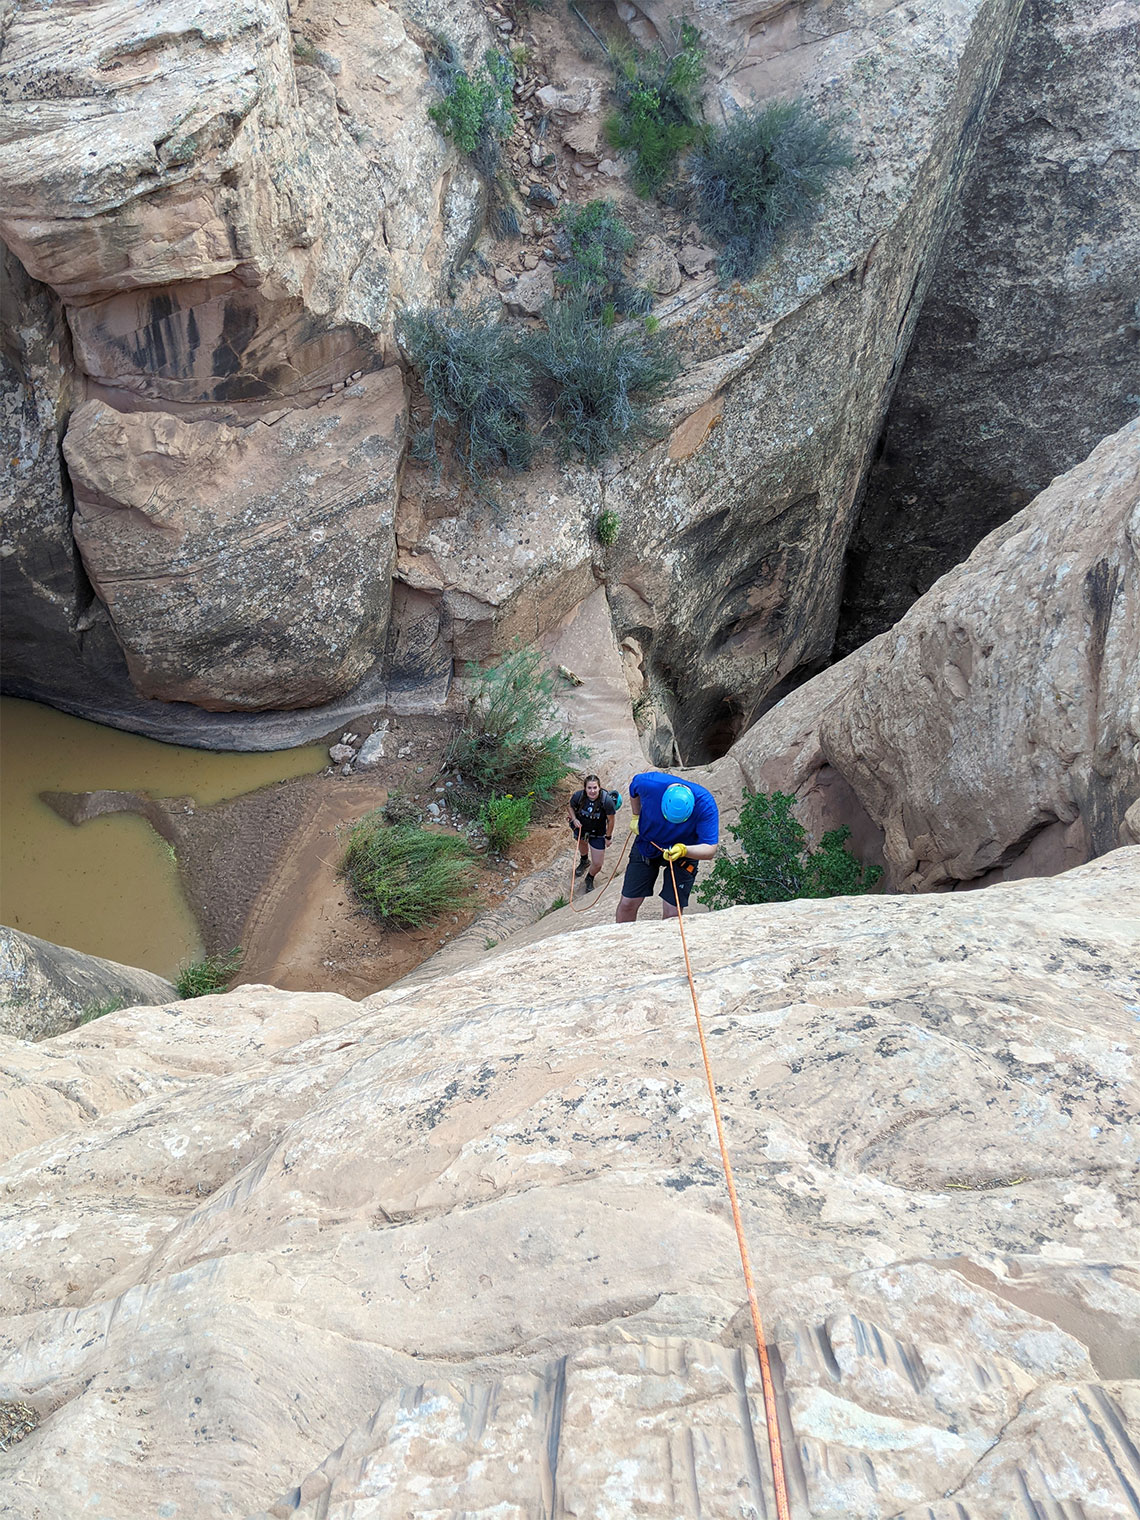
pixel 673 820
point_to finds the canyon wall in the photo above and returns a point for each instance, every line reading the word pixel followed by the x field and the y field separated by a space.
pixel 1027 351
pixel 225 207
pixel 995 730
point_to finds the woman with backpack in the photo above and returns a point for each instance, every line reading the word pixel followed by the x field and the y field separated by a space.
pixel 591 818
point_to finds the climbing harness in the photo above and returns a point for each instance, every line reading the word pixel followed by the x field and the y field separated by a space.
pixel 775 1448
pixel 771 1418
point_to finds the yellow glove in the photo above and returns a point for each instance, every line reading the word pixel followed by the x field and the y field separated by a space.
pixel 633 824
pixel 674 852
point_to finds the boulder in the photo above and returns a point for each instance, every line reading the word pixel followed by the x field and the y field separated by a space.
pixel 46 989
pixel 994 731
pixel 528 1296
pixel 190 531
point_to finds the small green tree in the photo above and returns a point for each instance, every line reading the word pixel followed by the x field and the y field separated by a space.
pixel 505 820
pixel 777 863
pixel 510 740
pixel 659 108
pixel 595 242
pixel 477 113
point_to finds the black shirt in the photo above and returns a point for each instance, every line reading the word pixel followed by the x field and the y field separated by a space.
pixel 592 815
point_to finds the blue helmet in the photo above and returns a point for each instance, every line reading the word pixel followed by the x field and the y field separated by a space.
pixel 677 802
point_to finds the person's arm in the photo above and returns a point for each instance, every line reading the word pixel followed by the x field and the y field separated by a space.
pixel 610 814
pixel 701 851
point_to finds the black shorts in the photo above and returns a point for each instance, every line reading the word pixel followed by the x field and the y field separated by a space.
pixel 596 842
pixel 641 878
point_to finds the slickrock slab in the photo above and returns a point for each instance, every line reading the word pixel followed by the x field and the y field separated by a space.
pixel 395 1232
pixel 995 729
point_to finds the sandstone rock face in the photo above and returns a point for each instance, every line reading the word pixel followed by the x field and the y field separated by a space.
pixel 46 989
pixel 213 211
pixel 996 729
pixel 237 239
pixel 191 533
pixel 1026 352
pixel 465 1247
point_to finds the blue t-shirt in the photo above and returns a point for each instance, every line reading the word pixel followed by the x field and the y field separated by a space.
pixel 702 826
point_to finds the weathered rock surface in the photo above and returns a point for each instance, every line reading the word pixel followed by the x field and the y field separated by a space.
pixel 996 729
pixel 1027 351
pixel 241 234
pixel 465 1246
pixel 46 989
pixel 243 567
pixel 227 230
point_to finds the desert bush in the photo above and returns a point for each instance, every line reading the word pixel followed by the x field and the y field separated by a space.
pixel 594 242
pixel 505 820
pixel 596 377
pixel 404 875
pixel 476 376
pixel 209 975
pixel 777 862
pixel 510 741
pixel 759 175
pixel 476 113
pixel 659 109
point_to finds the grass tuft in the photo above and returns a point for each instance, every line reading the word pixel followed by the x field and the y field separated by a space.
pixel 404 875
pixel 208 976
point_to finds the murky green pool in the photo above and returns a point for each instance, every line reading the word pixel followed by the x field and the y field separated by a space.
pixel 109 887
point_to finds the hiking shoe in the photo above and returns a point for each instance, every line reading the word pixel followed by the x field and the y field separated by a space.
pixel 589 884
pixel 583 866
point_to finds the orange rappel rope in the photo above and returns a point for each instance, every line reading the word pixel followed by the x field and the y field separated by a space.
pixel 775 1447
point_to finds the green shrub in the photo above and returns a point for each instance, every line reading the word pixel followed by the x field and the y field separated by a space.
pixel 595 241
pixel 778 864
pixel 607 526
pixel 505 820
pixel 596 377
pixel 476 376
pixel 404 875
pixel 476 113
pixel 759 175
pixel 210 975
pixel 509 742
pixel 659 110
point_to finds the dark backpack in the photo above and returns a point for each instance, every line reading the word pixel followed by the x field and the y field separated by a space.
pixel 615 798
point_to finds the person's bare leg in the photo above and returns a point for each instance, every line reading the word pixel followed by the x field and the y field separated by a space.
pixel 597 860
pixel 628 909
pixel 668 909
